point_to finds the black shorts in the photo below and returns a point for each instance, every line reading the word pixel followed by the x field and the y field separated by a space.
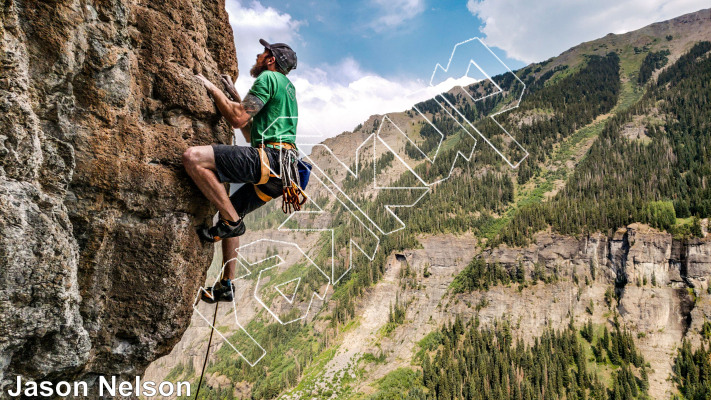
pixel 241 164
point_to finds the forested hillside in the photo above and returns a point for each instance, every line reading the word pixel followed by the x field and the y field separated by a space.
pixel 656 176
pixel 463 361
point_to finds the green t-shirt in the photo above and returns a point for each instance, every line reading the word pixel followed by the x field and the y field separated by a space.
pixel 276 121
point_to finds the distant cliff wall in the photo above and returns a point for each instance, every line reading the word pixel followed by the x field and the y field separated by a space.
pixel 636 253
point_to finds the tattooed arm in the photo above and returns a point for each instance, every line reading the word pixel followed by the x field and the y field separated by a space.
pixel 251 105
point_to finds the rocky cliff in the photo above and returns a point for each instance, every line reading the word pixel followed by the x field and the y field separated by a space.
pixel 636 254
pixel 660 286
pixel 99 257
pixel 661 311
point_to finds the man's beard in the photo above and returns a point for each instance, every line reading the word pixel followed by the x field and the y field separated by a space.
pixel 257 69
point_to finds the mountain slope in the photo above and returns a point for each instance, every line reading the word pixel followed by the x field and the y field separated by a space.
pixel 486 244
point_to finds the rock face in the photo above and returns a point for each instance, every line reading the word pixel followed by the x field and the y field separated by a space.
pixel 697 262
pixel 652 272
pixel 99 257
pixel 634 254
pixel 660 282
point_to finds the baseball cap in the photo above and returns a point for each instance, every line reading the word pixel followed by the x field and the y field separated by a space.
pixel 285 56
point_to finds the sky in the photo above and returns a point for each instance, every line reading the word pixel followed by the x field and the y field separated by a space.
pixel 356 59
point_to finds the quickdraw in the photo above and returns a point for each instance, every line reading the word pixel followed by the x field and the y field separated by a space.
pixel 293 173
pixel 292 193
pixel 291 199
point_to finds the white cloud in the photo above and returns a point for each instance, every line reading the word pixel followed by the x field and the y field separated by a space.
pixel 330 104
pixel 393 13
pixel 254 22
pixel 536 30
pixel 333 107
pixel 332 98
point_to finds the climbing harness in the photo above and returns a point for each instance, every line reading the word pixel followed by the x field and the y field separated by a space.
pixel 292 172
pixel 207 353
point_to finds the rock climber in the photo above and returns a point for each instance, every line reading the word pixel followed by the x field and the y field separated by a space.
pixel 267 118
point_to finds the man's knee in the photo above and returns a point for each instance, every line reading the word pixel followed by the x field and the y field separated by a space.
pixel 189 157
pixel 199 156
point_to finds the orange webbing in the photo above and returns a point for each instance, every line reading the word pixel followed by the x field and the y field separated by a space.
pixel 264 161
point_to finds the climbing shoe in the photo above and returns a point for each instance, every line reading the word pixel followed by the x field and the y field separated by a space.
pixel 222 291
pixel 223 230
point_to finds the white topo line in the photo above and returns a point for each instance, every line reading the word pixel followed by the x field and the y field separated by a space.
pixel 340 197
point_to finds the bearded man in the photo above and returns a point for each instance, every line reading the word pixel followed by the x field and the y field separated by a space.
pixel 267 118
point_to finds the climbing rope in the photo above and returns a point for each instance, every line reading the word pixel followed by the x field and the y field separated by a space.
pixel 207 353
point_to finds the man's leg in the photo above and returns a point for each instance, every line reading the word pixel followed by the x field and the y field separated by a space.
pixel 199 162
pixel 229 252
pixel 223 290
pixel 246 200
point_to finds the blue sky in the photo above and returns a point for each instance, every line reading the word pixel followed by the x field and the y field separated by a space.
pixel 357 59
pixel 393 46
